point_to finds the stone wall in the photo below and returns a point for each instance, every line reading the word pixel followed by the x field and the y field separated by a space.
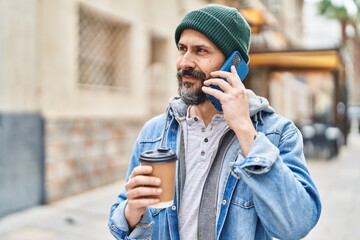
pixel 85 153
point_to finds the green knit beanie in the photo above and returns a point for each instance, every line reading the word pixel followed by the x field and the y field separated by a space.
pixel 224 26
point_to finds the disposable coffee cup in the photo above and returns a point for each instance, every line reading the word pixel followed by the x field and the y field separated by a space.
pixel 163 162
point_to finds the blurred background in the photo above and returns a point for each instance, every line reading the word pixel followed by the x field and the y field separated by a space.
pixel 78 78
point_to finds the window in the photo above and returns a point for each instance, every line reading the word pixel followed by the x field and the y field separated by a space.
pixel 103 50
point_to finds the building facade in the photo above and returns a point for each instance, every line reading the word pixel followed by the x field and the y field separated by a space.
pixel 78 79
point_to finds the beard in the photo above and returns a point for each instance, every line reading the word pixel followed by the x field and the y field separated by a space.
pixel 189 95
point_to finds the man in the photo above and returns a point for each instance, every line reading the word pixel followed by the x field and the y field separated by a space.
pixel 241 172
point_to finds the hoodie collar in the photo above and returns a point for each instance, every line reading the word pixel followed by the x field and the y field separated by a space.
pixel 256 105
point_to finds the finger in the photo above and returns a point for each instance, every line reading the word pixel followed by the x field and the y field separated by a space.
pixel 221 74
pixel 220 82
pixel 234 80
pixel 237 81
pixel 213 92
pixel 142 202
pixel 234 72
pixel 141 170
pixel 232 77
pixel 143 192
pixel 142 180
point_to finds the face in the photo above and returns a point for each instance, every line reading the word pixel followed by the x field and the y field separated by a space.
pixel 197 58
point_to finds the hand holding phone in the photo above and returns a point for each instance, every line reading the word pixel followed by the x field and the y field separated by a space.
pixel 241 68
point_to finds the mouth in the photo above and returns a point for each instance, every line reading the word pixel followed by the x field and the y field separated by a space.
pixel 188 81
pixel 189 78
pixel 190 75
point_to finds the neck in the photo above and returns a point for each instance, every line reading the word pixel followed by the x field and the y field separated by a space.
pixel 205 111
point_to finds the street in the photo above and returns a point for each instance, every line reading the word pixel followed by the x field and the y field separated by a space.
pixel 338 182
pixel 84 216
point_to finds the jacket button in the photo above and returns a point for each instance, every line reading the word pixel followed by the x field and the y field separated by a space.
pixel 223 202
pixel 256 159
pixel 112 227
pixel 173 207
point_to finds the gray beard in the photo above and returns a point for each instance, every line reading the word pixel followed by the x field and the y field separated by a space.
pixel 191 97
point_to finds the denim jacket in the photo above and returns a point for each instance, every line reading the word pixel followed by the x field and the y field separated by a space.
pixel 269 194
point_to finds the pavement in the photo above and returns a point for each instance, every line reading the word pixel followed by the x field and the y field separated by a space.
pixel 85 216
pixel 338 182
pixel 79 217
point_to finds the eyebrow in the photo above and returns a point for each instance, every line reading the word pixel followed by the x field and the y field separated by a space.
pixel 194 46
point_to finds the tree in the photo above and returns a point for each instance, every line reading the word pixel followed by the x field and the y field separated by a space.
pixel 341 12
pixel 347 12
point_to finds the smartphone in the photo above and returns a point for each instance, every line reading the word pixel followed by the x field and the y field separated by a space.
pixel 241 68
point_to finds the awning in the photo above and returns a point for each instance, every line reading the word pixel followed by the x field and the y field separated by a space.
pixel 255 18
pixel 328 59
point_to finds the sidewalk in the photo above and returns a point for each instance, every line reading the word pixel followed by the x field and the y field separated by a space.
pixel 85 216
pixel 81 217
pixel 338 182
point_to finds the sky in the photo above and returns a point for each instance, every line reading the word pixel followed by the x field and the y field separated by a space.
pixel 349 5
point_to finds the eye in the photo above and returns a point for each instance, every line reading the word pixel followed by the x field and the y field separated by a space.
pixel 201 50
pixel 181 48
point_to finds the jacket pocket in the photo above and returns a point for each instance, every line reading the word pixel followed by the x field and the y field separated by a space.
pixel 156 211
pixel 274 137
pixel 242 196
pixel 243 203
pixel 242 214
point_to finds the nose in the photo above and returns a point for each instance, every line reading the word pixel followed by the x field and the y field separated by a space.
pixel 186 61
